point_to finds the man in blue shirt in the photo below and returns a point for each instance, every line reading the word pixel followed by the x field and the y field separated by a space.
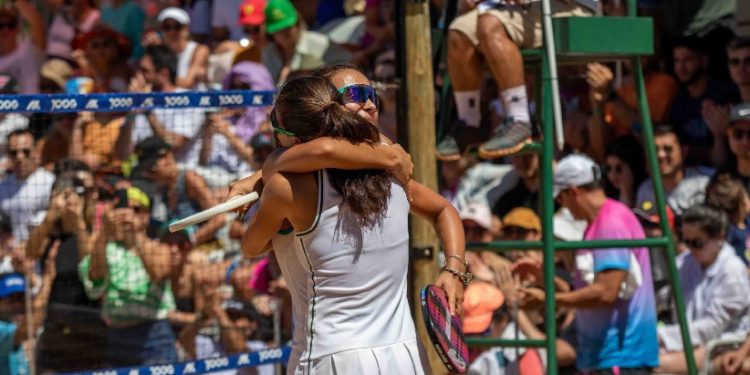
pixel 12 325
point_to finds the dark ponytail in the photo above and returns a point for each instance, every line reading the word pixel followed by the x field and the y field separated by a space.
pixel 310 107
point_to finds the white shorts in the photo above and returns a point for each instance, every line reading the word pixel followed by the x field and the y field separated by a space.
pixel 404 358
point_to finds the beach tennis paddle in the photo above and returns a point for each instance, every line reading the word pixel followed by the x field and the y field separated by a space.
pixel 220 208
pixel 444 330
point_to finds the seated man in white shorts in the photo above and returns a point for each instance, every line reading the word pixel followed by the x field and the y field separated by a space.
pixel 495 30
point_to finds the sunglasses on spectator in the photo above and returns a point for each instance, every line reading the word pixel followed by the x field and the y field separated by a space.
pixel 666 149
pixel 168 26
pixel 739 134
pixel 514 231
pixel 278 129
pixel 616 168
pixel 735 61
pixel 251 30
pixel 8 25
pixel 139 209
pixel 694 243
pixel 14 153
pixel 101 44
pixel 359 94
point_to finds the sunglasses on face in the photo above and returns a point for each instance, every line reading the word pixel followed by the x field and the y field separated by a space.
pixel 736 61
pixel 15 153
pixel 278 129
pixel 10 25
pixel 616 168
pixel 251 30
pixel 739 134
pixel 666 149
pixel 359 94
pixel 515 232
pixel 101 44
pixel 694 243
pixel 167 27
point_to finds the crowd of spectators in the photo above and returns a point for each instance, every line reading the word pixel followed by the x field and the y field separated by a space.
pixel 85 198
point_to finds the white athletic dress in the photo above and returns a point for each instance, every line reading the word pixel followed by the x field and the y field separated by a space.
pixel 348 288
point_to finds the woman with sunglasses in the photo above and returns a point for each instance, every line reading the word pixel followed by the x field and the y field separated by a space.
pixel 624 169
pixel 714 280
pixel 192 57
pixel 326 152
pixel 347 266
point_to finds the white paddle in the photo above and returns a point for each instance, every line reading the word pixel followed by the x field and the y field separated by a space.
pixel 220 208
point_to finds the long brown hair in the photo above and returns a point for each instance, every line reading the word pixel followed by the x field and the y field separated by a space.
pixel 310 107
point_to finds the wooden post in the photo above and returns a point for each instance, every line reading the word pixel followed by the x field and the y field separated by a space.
pixel 419 112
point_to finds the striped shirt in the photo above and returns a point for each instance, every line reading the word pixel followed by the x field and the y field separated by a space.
pixel 129 295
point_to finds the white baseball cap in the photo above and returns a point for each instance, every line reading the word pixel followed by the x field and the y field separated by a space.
pixel 478 213
pixel 182 17
pixel 575 170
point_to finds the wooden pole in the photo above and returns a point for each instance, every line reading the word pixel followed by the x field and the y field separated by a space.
pixel 418 111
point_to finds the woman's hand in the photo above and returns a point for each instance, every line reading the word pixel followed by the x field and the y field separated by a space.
pixel 245 186
pixel 454 290
pixel 405 168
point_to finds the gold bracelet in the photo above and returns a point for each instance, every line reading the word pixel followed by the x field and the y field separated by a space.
pixel 464 278
pixel 466 265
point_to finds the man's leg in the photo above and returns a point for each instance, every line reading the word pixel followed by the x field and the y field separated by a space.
pixel 465 71
pixel 506 64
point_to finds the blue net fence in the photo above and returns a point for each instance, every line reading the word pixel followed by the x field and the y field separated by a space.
pixel 91 280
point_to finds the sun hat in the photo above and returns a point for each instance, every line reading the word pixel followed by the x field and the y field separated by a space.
pixel 481 299
pixel 575 170
pixel 252 12
pixel 180 16
pixel 280 15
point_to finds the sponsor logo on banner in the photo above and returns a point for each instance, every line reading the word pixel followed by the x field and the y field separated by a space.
pixel 92 104
pixel 148 102
pixel 9 105
pixel 266 355
pixel 120 103
pixel 162 370
pixel 189 368
pixel 234 99
pixel 64 104
pixel 205 101
pixel 34 105
pixel 257 99
pixel 216 363
pixel 176 101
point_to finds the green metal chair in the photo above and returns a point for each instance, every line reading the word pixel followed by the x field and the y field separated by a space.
pixel 578 40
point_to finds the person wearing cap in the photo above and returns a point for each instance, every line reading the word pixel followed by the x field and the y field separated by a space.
pixel 253 21
pixel 612 341
pixel 684 186
pixel 477 221
pixel 180 127
pixel 14 324
pixel 54 76
pixel 130 273
pixel 22 55
pixel 128 18
pixel 177 191
pixel 192 57
pixel 738 134
pixel 292 47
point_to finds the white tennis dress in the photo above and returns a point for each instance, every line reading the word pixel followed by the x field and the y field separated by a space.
pixel 348 288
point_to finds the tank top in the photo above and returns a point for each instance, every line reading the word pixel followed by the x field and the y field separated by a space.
pixel 184 58
pixel 348 283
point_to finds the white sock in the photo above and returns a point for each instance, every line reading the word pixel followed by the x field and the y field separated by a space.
pixel 467 103
pixel 516 103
